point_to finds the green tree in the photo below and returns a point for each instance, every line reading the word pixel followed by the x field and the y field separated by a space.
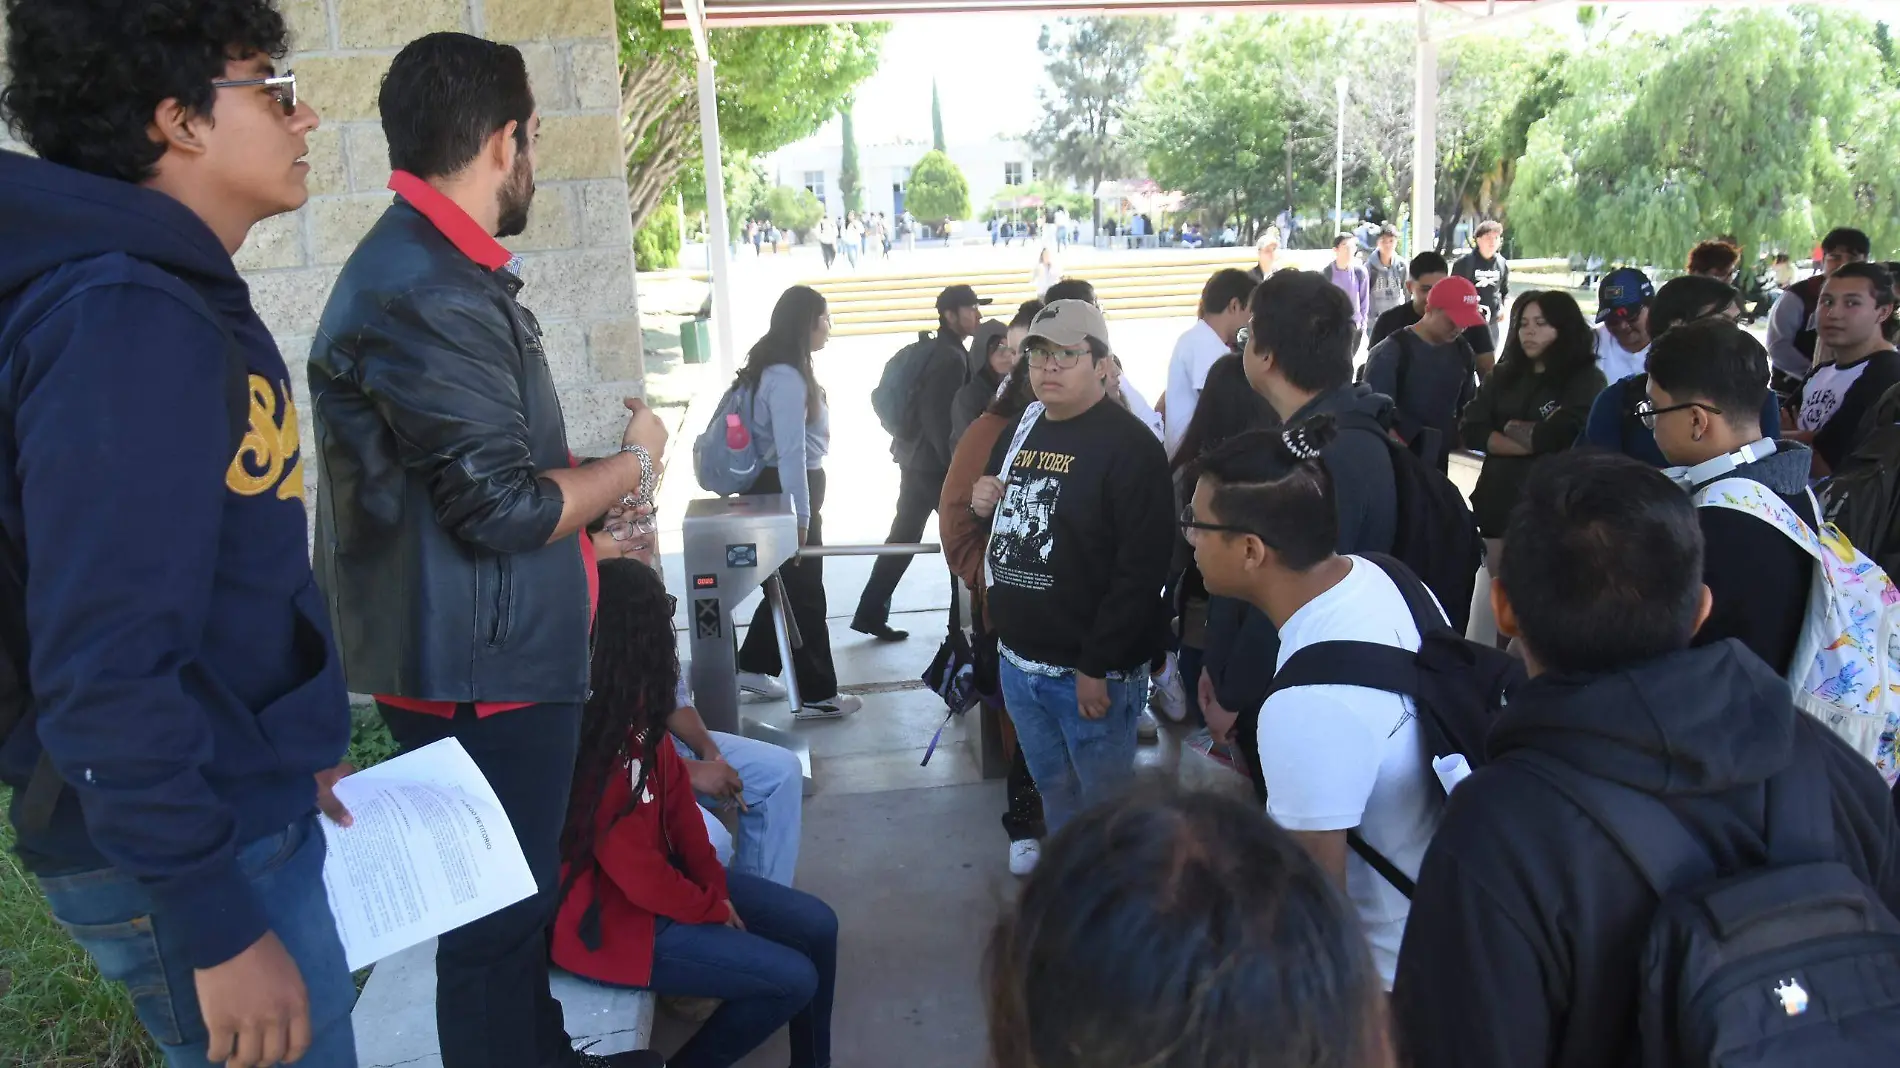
pixel 1758 123
pixel 936 119
pixel 1095 66
pixel 793 207
pixel 938 191
pixel 850 180
pixel 656 245
pixel 776 85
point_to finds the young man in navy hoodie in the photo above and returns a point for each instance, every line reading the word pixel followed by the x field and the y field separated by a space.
pixel 185 696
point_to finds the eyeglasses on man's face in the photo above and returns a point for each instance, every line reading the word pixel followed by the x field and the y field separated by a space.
pixel 1647 411
pixel 1189 524
pixel 282 86
pixel 1049 357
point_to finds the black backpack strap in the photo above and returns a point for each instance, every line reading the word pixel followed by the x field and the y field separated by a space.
pixel 1427 614
pixel 1376 861
pixel 1643 828
pixel 956 606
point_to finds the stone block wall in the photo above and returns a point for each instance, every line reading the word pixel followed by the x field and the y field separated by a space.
pixel 577 255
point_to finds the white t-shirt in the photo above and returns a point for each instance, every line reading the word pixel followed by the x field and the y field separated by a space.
pixel 1139 407
pixel 1339 757
pixel 1616 361
pixel 1193 355
pixel 1825 390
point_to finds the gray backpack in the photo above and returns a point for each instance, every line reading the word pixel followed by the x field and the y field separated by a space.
pixel 726 455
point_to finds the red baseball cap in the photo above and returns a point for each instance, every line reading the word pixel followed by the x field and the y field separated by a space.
pixel 1458 298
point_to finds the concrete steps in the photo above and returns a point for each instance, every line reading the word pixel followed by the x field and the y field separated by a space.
pixel 1139 285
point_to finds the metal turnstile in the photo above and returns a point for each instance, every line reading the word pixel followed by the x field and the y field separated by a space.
pixel 733 546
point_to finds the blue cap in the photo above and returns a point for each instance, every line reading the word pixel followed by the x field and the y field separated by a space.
pixel 1625 287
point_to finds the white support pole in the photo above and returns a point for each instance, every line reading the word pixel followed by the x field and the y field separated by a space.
pixel 719 246
pixel 1424 136
pixel 1339 157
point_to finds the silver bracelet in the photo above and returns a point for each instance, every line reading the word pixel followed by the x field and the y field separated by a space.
pixel 647 475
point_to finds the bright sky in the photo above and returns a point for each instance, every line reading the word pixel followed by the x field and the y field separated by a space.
pixel 988 69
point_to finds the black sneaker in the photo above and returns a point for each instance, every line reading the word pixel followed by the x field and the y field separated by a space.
pixel 881 631
pixel 633 1058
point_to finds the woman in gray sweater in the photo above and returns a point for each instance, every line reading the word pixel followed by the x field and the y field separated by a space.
pixel 791 425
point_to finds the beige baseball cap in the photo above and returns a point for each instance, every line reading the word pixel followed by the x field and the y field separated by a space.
pixel 1068 322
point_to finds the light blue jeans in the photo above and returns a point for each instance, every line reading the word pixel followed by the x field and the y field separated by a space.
pixel 775 804
pixel 1075 761
pixel 110 915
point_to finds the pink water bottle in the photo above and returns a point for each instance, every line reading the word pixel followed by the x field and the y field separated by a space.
pixel 737 437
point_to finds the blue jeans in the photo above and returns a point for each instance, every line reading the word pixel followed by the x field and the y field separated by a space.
pixel 779 970
pixel 1075 761
pixel 109 914
pixel 775 805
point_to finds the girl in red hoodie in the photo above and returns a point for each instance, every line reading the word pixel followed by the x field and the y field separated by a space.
pixel 644 901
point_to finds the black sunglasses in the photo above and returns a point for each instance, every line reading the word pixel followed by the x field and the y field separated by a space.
pixel 1188 522
pixel 282 86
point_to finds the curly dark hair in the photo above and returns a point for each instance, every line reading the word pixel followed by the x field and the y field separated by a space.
pixel 86 77
pixel 636 668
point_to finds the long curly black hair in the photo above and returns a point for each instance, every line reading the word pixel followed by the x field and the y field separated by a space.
pixel 86 78
pixel 636 670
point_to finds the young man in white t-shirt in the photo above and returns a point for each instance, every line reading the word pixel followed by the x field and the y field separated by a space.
pixel 1335 758
pixel 1223 312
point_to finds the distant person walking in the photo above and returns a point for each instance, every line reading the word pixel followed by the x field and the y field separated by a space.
pixel 1350 277
pixel 1387 273
pixel 1045 274
pixel 827 241
pixel 853 239
pixel 1490 275
pixel 1062 229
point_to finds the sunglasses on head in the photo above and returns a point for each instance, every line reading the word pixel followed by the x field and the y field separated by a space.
pixel 282 86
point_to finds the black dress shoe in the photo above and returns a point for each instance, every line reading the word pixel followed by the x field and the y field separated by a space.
pixel 634 1058
pixel 881 631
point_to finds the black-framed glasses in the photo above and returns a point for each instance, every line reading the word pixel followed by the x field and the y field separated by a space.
pixel 282 86
pixel 1046 357
pixel 1188 522
pixel 1647 411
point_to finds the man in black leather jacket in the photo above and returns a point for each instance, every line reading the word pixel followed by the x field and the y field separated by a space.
pixel 450 517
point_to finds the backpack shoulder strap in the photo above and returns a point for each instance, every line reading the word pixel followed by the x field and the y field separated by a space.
pixel 1751 497
pixel 1426 613
pixel 1643 828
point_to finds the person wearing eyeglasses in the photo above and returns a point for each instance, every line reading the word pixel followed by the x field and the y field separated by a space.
pixel 1704 382
pixel 1077 499
pixel 186 711
pixel 994 352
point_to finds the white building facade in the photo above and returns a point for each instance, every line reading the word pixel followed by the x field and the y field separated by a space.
pixel 991 167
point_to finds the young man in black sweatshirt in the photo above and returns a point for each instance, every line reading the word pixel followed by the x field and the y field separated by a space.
pixel 1526 933
pixel 1706 384
pixel 1082 528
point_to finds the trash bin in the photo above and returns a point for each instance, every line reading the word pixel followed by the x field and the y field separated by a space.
pixel 695 341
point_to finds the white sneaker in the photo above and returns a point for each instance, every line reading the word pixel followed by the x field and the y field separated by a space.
pixel 1023 856
pixel 831 708
pixel 756 687
pixel 1167 697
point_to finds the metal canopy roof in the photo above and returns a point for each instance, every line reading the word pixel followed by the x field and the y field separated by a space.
pixel 726 14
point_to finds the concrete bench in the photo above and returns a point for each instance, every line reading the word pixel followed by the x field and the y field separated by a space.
pixel 395 1016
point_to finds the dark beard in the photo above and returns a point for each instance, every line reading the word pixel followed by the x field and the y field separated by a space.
pixel 517 196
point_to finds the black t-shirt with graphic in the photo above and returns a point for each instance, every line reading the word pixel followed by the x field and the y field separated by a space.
pixel 1079 545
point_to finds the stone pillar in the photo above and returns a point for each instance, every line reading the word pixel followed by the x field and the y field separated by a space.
pixel 577 254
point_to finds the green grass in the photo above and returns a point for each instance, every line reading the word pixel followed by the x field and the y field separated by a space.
pixel 55 1010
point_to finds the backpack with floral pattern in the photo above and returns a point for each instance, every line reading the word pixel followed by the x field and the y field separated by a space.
pixel 1846 666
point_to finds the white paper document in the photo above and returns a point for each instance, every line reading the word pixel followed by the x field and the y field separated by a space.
pixel 430 849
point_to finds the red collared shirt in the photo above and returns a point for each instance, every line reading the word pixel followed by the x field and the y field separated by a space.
pixel 477 244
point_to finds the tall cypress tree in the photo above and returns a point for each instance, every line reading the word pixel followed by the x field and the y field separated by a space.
pixel 850 182
pixel 936 119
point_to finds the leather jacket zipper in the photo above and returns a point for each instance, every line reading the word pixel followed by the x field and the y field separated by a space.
pixel 504 600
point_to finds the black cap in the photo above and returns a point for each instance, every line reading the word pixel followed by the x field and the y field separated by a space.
pixel 954 297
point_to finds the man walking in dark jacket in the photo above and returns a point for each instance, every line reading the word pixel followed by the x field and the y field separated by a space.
pixel 184 697
pixel 449 528
pixel 1527 930
pixel 923 455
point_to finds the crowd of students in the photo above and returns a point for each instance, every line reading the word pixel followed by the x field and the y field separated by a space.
pixel 1655 831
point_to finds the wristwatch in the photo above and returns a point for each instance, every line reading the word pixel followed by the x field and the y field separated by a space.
pixel 647 475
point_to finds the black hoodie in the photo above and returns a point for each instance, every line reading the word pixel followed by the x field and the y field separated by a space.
pixel 181 656
pixel 1523 942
